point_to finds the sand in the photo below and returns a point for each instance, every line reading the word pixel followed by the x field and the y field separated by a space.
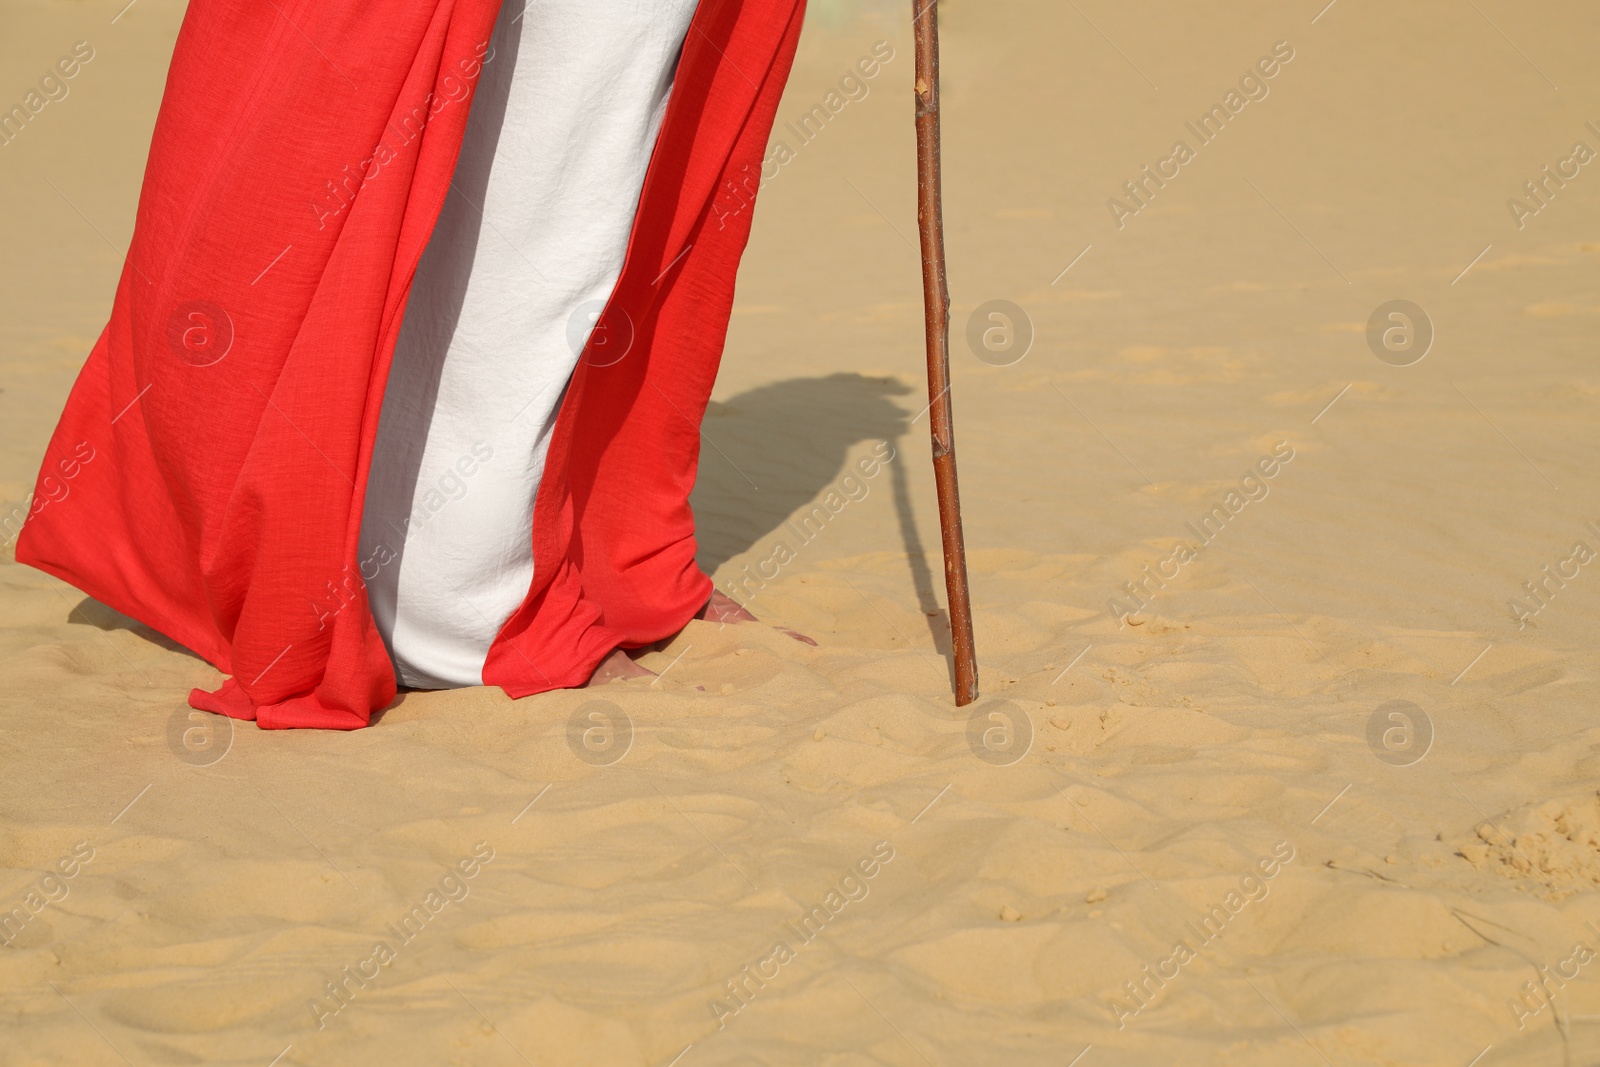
pixel 1169 838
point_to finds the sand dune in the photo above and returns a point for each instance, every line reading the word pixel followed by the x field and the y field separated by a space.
pixel 678 871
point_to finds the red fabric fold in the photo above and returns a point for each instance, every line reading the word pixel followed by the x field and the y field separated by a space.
pixel 301 156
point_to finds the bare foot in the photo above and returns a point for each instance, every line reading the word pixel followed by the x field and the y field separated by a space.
pixel 723 608
pixel 616 667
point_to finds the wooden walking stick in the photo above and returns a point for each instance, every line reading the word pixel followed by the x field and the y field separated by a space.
pixel 936 315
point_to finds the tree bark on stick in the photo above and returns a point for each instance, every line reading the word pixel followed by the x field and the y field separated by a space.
pixel 936 315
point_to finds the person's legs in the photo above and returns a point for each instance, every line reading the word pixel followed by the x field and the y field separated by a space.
pixel 527 249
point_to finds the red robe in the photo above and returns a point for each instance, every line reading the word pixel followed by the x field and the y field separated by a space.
pixel 301 157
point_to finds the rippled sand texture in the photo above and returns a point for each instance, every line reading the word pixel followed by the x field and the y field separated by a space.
pixel 1203 856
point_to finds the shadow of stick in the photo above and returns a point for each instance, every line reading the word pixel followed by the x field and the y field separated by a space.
pixel 917 559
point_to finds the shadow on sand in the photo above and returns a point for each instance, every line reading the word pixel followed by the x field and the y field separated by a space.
pixel 768 452
pixel 775 449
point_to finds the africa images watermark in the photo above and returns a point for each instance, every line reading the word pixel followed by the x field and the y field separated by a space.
pixel 451 486
pixel 852 488
pixel 999 333
pixel 53 888
pixel 1252 487
pixel 53 89
pixel 199 738
pixel 1543 587
pixel 1533 999
pixel 1399 333
pixel 337 196
pixel 452 889
pixel 56 487
pixel 1540 191
pixel 751 979
pixel 599 733
pixel 1253 85
pixel 1141 991
pixel 737 194
pixel 1399 733
pixel 999 732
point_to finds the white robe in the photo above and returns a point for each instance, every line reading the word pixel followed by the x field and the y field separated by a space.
pixel 527 250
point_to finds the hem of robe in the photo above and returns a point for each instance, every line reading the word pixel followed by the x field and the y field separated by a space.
pixel 190 563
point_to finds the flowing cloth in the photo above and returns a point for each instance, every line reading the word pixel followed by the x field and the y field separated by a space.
pixel 525 254
pixel 300 160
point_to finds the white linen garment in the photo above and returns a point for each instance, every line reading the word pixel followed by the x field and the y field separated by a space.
pixel 527 250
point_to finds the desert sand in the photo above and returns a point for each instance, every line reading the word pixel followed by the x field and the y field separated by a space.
pixel 1184 828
